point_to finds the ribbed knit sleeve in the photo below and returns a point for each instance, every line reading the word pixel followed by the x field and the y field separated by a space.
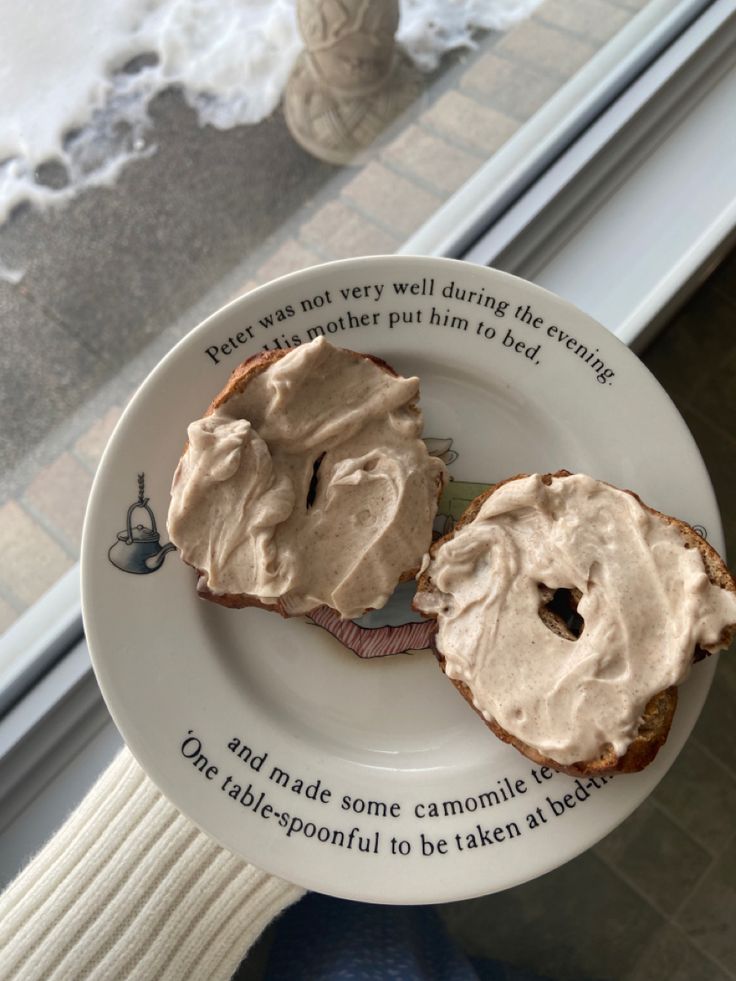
pixel 130 888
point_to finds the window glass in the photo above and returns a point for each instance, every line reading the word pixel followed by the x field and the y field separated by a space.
pixel 194 180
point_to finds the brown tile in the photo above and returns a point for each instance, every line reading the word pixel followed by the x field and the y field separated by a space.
pixel 59 493
pixel 90 445
pixel 717 723
pixel 339 232
pixel 724 278
pixel 469 122
pixel 729 531
pixel 700 795
pixel 515 89
pixel 662 861
pixel 32 561
pixel 693 346
pixel 249 285
pixel 546 48
pixel 432 159
pixel 46 374
pixel 715 393
pixel 288 257
pixel 632 4
pixel 595 20
pixel 8 615
pixel 390 199
pixel 670 956
pixel 709 915
pixel 580 921
pixel 719 455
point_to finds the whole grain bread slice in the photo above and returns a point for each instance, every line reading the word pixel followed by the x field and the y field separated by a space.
pixel 656 720
pixel 240 378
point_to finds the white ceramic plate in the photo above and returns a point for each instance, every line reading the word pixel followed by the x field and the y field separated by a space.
pixel 372 779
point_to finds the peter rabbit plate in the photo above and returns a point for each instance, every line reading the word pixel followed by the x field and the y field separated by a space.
pixel 368 776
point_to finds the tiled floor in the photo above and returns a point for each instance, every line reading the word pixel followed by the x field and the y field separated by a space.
pixel 656 900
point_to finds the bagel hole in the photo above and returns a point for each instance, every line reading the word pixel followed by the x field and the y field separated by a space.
pixel 563 605
pixel 312 492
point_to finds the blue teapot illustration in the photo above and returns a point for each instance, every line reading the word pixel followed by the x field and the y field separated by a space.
pixel 138 549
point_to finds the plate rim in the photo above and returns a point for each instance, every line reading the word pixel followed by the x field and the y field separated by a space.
pixel 108 460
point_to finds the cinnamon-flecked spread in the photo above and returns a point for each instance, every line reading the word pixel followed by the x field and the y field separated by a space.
pixel 646 604
pixel 310 487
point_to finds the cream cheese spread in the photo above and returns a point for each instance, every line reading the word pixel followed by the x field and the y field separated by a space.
pixel 311 487
pixel 646 603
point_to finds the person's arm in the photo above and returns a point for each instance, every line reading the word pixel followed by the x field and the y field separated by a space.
pixel 130 888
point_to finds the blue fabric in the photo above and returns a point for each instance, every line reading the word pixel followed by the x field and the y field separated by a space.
pixel 325 939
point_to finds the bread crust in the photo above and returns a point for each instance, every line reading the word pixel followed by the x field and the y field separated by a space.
pixel 656 721
pixel 240 377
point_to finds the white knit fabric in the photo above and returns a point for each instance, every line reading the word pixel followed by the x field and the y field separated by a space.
pixel 130 888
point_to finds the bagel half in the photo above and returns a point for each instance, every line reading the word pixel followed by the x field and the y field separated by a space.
pixel 656 719
pixel 422 477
